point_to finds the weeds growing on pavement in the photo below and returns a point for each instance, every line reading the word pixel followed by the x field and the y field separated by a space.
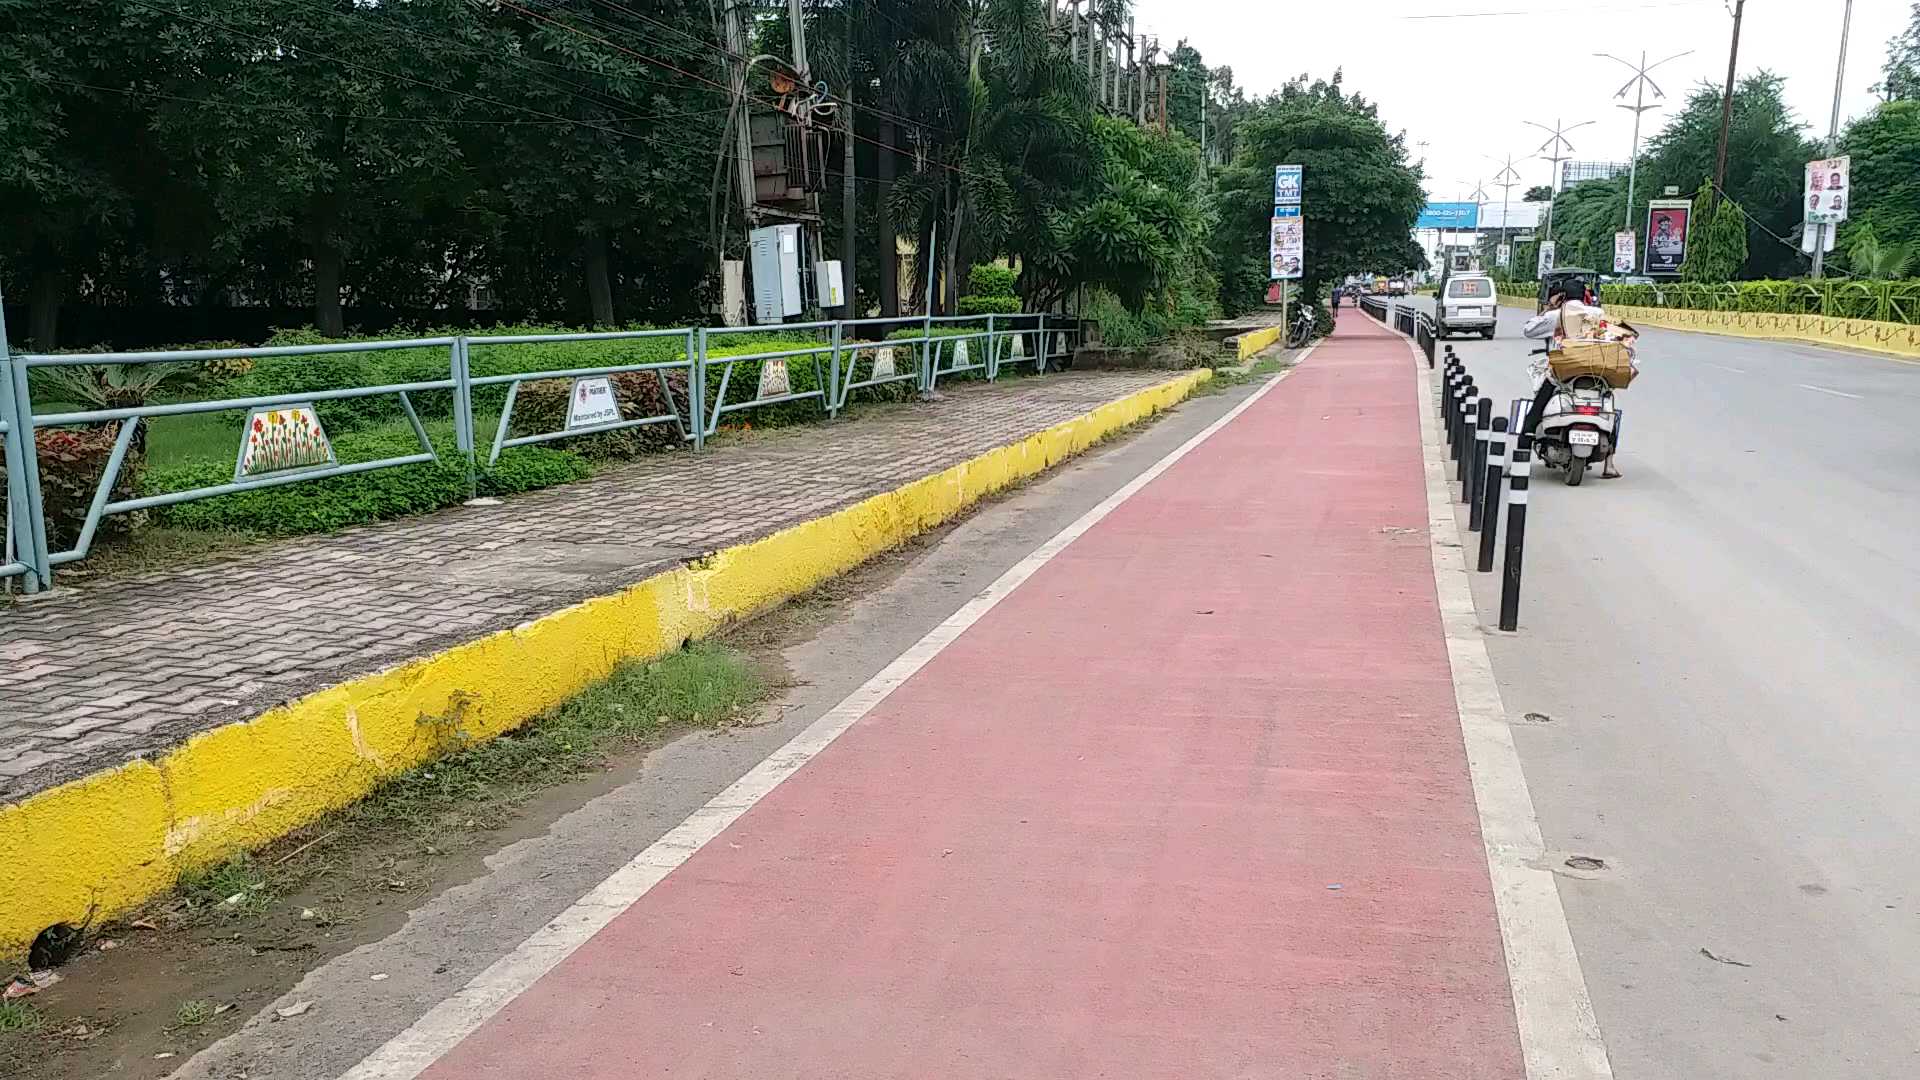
pixel 18 1016
pixel 194 1013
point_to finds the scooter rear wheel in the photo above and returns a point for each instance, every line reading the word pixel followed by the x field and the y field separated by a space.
pixel 1576 471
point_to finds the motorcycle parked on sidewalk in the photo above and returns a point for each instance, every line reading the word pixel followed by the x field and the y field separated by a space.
pixel 1578 427
pixel 1303 329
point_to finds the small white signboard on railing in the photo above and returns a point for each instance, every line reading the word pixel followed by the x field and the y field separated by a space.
pixel 282 439
pixel 960 353
pixel 883 363
pixel 774 380
pixel 592 403
pixel 1019 347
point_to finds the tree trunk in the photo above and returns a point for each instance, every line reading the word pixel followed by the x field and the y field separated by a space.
pixel 327 263
pixel 599 285
pixel 43 309
pixel 889 247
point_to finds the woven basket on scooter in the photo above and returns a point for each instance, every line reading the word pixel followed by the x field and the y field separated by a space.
pixel 1607 360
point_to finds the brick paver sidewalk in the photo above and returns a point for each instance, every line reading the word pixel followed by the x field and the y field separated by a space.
pixel 94 676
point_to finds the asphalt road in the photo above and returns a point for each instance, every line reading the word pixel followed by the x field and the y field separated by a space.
pixel 1723 649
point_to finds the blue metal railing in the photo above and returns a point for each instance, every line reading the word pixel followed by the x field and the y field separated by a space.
pixel 943 346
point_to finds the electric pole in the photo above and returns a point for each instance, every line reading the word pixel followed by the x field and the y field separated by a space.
pixel 1833 138
pixel 1556 149
pixel 1638 84
pixel 1726 101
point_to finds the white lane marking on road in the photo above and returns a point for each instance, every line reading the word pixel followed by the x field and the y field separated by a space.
pixel 1824 390
pixel 414 1050
pixel 1723 367
pixel 1559 1036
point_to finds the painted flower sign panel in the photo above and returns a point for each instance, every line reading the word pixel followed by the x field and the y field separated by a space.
pixel 282 439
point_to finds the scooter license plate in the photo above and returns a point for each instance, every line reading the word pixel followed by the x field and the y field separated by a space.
pixel 1584 438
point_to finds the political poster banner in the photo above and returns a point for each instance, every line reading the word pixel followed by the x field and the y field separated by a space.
pixel 1667 235
pixel 1829 190
pixel 1623 252
pixel 1286 247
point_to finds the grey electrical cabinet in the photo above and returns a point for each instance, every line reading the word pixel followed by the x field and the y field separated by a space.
pixel 776 272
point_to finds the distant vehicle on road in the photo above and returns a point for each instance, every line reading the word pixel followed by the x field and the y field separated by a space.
pixel 1397 287
pixel 1469 304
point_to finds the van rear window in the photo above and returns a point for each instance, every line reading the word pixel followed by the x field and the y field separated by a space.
pixel 1470 287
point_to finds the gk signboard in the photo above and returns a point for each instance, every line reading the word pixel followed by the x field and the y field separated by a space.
pixel 1286 185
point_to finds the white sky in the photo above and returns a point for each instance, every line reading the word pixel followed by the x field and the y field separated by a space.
pixel 1467 85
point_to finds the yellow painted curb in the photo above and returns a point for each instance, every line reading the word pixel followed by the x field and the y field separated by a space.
pixel 1897 340
pixel 1255 340
pixel 118 837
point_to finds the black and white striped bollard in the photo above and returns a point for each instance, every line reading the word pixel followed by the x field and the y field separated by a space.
pixel 1485 515
pixel 1482 417
pixel 1518 472
pixel 1464 450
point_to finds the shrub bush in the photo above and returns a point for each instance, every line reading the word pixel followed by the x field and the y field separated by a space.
pixel 989 305
pixel 988 279
pixel 340 501
pixel 72 461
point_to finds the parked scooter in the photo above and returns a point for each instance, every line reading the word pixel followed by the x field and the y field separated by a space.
pixel 1578 426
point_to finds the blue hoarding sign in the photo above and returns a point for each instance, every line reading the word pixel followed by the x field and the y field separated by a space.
pixel 1286 185
pixel 1449 215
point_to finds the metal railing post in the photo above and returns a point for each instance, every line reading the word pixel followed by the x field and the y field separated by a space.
pixel 993 351
pixel 463 414
pixel 697 385
pixel 833 388
pixel 31 516
pixel 1482 425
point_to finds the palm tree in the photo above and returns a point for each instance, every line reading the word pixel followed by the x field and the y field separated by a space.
pixel 1869 258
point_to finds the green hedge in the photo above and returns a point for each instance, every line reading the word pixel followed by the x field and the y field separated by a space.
pixel 1879 301
pixel 340 501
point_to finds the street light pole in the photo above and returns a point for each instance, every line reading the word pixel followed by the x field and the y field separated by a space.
pixel 1833 137
pixel 1638 84
pixel 1552 151
pixel 1506 178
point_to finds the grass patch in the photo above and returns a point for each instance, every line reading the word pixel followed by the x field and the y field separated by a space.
pixel 1225 379
pixel 376 845
pixel 704 685
pixel 194 1013
pixel 18 1016
pixel 154 547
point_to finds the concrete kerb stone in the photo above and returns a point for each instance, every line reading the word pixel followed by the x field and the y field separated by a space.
pixel 110 840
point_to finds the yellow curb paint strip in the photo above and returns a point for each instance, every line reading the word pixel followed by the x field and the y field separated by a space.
pixel 1255 340
pixel 119 837
pixel 1898 341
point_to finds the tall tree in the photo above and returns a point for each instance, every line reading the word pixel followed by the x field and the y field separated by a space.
pixel 1900 74
pixel 1361 194
pixel 1885 147
pixel 1768 151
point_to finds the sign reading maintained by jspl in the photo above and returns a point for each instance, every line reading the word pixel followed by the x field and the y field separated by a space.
pixel 593 403
pixel 1667 235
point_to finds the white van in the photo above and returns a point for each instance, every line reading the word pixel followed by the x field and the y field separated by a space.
pixel 1470 305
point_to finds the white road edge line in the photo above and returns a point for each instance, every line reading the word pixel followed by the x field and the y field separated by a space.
pixel 1559 1035
pixel 1824 390
pixel 443 1027
pixel 1723 367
